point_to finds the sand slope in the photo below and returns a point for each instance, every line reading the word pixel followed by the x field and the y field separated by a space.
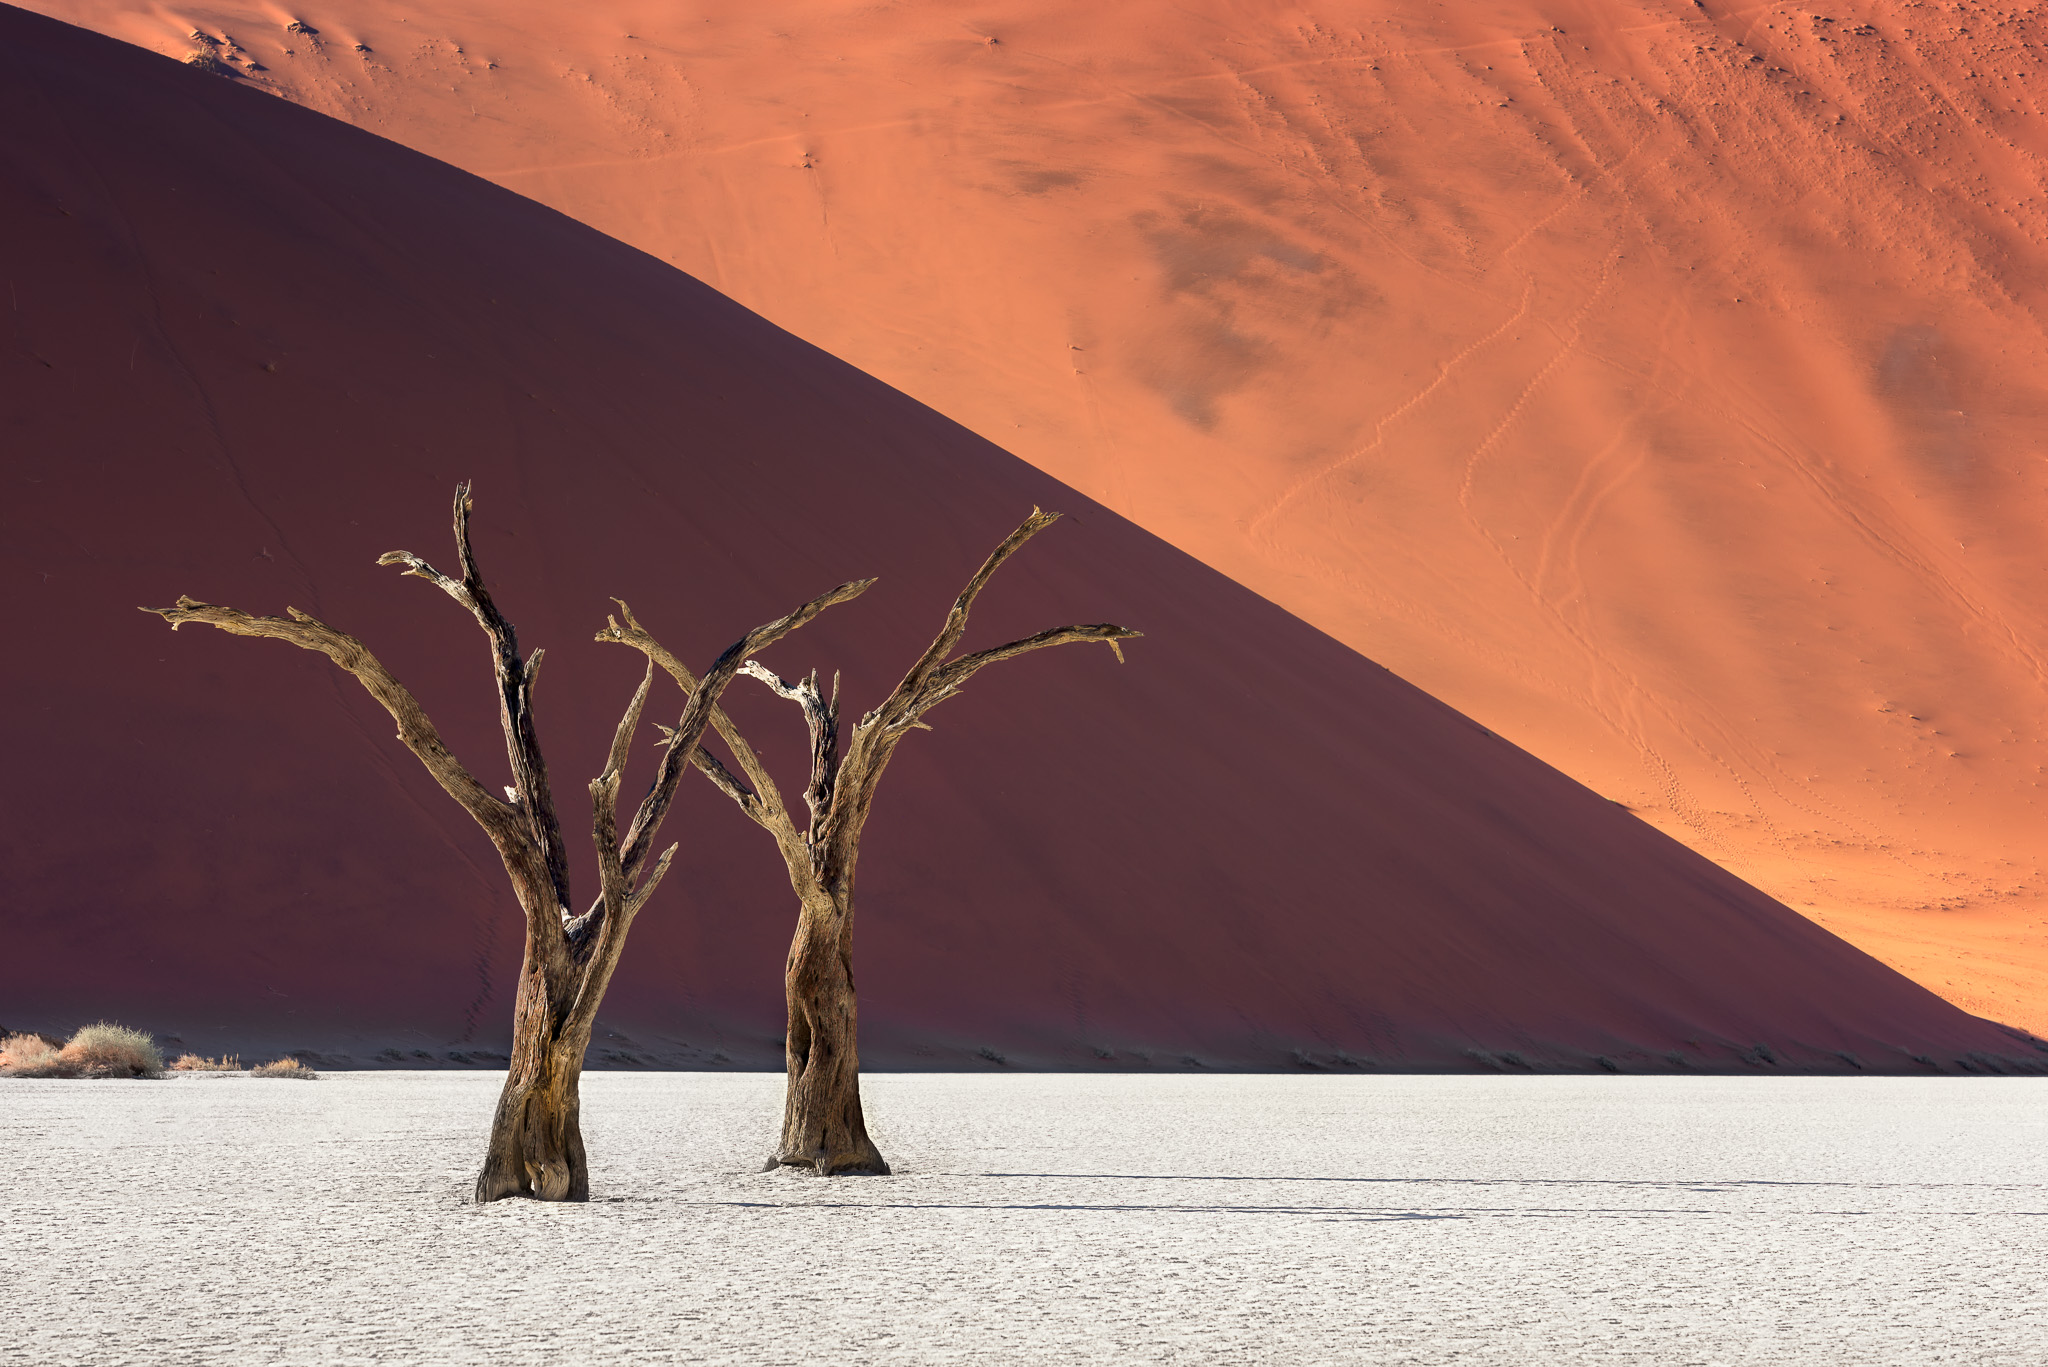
pixel 1659 383
pixel 257 347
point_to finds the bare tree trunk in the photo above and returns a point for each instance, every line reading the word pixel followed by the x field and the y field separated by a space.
pixel 822 1126
pixel 536 1142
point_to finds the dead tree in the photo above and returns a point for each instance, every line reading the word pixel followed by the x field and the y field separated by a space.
pixel 536 1143
pixel 822 1127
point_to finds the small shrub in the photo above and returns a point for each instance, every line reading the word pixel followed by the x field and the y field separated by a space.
pixel 194 1063
pixel 21 1053
pixel 108 1050
pixel 285 1067
pixel 25 1045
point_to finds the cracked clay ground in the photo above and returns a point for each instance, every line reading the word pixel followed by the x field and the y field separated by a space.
pixel 1054 1219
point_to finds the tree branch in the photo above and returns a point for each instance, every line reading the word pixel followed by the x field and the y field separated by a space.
pixel 622 739
pixel 621 903
pixel 930 682
pixel 949 679
pixel 821 718
pixel 956 618
pixel 763 800
pixel 604 798
pixel 503 822
pixel 515 691
pixel 721 777
pixel 699 711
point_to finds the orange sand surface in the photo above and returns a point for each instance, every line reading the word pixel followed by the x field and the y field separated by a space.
pixel 1659 383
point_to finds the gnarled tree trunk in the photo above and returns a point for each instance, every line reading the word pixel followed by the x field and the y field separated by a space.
pixel 536 1141
pixel 822 1125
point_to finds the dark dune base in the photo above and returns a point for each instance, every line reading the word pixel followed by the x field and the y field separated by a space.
pixel 708 1049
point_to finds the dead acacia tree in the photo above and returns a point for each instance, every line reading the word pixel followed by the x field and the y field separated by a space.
pixel 536 1142
pixel 822 1126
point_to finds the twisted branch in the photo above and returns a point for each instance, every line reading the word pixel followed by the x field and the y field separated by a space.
pixel 931 681
pixel 618 901
pixel 948 680
pixel 415 730
pixel 515 691
pixel 760 800
pixel 821 718
pixel 508 825
pixel 700 713
pixel 955 626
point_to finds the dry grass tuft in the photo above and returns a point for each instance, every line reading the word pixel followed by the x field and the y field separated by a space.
pixel 285 1067
pixel 99 1050
pixel 22 1052
pixel 195 1063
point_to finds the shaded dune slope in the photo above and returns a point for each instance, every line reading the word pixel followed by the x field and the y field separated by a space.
pixel 1658 382
pixel 251 347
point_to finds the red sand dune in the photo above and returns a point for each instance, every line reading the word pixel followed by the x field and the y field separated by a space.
pixel 1660 383
pixel 251 347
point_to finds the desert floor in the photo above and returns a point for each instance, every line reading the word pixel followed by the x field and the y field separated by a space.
pixel 1293 1219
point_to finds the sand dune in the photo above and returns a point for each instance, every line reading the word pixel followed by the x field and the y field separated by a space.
pixel 1657 382
pixel 257 347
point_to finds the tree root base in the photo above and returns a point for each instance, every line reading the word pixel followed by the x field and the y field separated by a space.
pixel 554 1184
pixel 511 1194
pixel 843 1165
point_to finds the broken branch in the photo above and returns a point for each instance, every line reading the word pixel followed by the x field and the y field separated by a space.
pixel 515 688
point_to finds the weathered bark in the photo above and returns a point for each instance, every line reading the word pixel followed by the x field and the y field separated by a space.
pixel 536 1142
pixel 822 1124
